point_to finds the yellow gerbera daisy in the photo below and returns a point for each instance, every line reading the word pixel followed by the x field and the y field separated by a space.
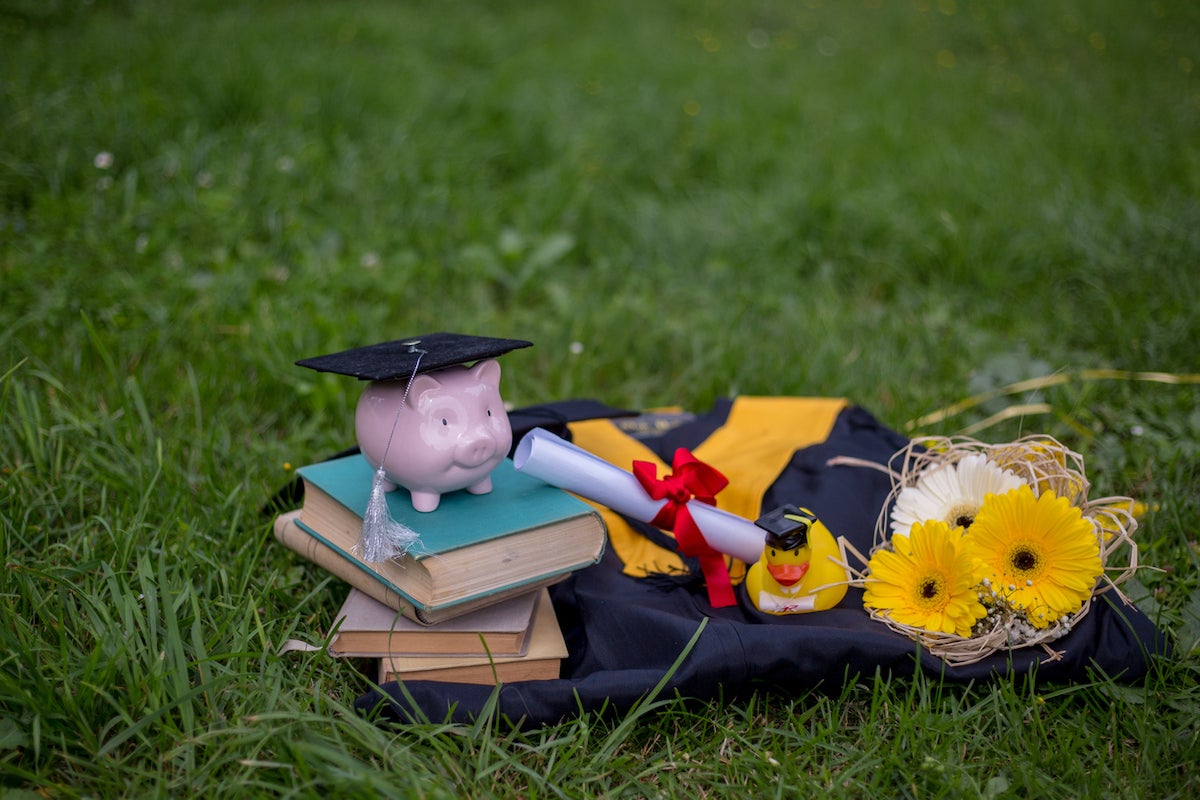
pixel 927 580
pixel 1039 553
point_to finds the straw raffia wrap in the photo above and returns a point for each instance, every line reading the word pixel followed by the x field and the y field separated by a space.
pixel 1046 465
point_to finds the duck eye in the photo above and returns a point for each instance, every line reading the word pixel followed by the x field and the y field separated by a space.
pixel 772 552
pixel 796 552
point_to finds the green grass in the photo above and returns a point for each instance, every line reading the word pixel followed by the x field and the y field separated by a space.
pixel 904 203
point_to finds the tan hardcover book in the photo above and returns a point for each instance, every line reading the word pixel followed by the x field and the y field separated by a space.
pixel 364 627
pixel 542 661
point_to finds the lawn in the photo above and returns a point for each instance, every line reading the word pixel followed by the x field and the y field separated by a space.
pixel 906 203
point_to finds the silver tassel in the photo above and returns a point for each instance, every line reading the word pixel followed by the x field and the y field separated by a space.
pixel 383 538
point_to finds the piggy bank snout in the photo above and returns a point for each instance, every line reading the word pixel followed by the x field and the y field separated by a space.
pixel 474 448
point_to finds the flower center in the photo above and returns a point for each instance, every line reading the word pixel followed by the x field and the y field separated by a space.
pixel 931 591
pixel 962 515
pixel 1025 561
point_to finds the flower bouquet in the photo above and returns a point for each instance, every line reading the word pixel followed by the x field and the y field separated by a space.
pixel 981 548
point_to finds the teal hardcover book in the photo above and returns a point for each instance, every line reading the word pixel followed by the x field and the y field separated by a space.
pixel 473 550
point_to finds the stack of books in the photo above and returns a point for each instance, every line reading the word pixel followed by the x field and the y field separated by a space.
pixel 469 602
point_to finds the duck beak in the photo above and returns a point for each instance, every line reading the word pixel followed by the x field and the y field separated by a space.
pixel 787 574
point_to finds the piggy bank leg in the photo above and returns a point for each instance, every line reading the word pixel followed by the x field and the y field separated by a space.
pixel 425 501
pixel 482 487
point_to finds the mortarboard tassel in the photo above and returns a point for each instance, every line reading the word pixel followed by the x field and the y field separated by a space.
pixel 384 538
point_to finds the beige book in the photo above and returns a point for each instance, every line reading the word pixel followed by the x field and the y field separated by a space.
pixel 364 627
pixel 542 661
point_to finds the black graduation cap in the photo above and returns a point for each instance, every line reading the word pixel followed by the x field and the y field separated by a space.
pixel 787 526
pixel 398 359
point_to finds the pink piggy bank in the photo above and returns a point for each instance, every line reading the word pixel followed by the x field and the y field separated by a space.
pixel 448 435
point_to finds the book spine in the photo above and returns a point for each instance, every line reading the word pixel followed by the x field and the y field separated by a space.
pixel 299 541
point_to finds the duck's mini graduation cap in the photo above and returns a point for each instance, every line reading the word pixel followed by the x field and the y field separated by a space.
pixel 403 358
pixel 786 527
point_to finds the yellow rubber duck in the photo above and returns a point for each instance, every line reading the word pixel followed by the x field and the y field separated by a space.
pixel 801 568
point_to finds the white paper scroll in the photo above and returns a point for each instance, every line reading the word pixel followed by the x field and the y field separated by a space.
pixel 560 463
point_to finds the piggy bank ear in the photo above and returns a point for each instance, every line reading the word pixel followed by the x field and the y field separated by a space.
pixel 487 372
pixel 420 385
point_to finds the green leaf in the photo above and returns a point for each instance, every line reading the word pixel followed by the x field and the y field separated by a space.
pixel 12 734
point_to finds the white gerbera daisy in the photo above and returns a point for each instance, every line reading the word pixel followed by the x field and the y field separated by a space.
pixel 951 493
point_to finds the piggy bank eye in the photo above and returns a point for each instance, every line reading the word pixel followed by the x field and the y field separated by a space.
pixel 444 422
pixel 489 412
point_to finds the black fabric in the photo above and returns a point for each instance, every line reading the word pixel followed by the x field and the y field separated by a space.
pixel 623 633
pixel 554 417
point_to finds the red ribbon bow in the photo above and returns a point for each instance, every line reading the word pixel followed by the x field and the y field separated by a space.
pixel 690 479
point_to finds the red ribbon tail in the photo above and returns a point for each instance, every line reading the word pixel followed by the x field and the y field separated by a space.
pixel 716 579
pixel 712 563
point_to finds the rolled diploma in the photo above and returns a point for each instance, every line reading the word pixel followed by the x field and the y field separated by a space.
pixel 560 463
